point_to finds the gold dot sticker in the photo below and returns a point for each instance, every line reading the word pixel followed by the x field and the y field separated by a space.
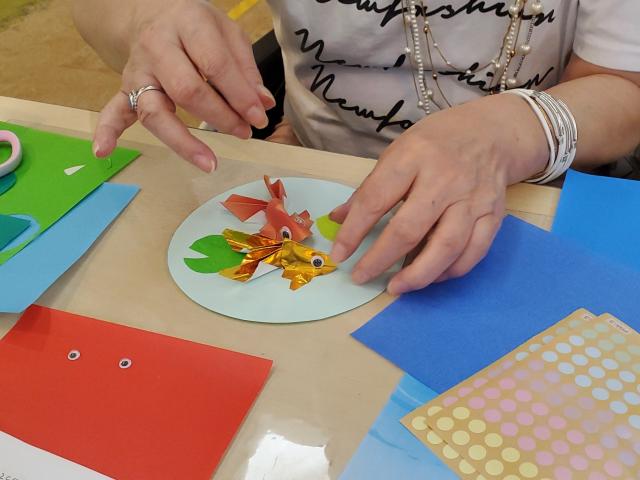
pixel 449 452
pixel 433 410
pixel 510 455
pixel 493 440
pixel 494 467
pixel 419 423
pixel 461 437
pixel 445 424
pixel 465 467
pixel 433 438
pixel 477 426
pixel 477 452
pixel 461 413
pixel 528 470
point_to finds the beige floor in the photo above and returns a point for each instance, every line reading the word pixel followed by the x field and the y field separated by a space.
pixel 44 58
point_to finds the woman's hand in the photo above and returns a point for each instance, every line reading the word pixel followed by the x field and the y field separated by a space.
pixel 451 169
pixel 204 63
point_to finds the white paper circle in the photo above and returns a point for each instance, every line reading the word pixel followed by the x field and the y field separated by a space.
pixel 268 298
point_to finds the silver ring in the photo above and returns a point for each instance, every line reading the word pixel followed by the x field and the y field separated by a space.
pixel 134 95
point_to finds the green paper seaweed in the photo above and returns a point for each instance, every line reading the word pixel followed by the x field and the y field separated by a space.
pixel 43 190
pixel 7 182
pixel 218 255
pixel 11 228
pixel 327 227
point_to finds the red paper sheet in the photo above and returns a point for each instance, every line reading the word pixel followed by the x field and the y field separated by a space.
pixel 171 415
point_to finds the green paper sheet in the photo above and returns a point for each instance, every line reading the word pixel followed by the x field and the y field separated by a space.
pixel 328 228
pixel 218 255
pixel 7 182
pixel 43 190
pixel 10 228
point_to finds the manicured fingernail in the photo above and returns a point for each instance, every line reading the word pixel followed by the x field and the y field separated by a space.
pixel 205 163
pixel 96 149
pixel 257 117
pixel 359 277
pixel 338 253
pixel 242 131
pixel 264 91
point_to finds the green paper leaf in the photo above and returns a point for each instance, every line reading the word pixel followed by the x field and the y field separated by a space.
pixel 218 255
pixel 10 228
pixel 43 190
pixel 7 182
pixel 328 228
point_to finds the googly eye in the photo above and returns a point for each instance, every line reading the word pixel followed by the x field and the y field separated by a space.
pixel 125 363
pixel 73 355
pixel 285 232
pixel 317 261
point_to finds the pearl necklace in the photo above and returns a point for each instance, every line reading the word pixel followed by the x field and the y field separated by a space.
pixel 416 42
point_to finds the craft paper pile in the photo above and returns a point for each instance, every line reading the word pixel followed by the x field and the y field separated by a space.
pixel 530 278
pixel 126 403
pixel 601 213
pixel 564 405
pixel 389 450
pixel 56 173
pixel 52 208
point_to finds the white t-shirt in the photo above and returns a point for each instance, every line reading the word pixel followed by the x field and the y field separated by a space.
pixel 350 86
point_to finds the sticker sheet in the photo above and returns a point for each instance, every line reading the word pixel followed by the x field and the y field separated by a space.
pixel 565 405
pixel 123 402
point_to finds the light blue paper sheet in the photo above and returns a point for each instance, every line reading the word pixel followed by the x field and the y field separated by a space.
pixel 31 272
pixel 390 451
pixel 602 214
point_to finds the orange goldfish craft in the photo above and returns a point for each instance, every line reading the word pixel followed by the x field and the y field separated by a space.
pixel 299 263
pixel 279 225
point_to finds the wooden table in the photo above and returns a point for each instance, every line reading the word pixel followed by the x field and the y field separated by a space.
pixel 326 389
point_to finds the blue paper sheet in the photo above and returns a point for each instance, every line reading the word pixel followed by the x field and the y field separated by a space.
pixel 390 451
pixel 31 272
pixel 530 280
pixel 603 214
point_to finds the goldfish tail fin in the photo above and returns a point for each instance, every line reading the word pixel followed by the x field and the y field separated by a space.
pixel 243 208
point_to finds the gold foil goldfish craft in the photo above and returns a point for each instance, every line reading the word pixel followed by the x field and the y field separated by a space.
pixel 300 264
pixel 278 224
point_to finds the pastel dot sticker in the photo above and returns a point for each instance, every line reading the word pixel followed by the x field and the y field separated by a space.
pixel 545 458
pixel 601 327
pixel 579 360
pixel 493 440
pixel 419 423
pixel 576 340
pixel 477 452
pixel 477 403
pixel 618 338
pixel 632 398
pixel 583 381
pixel 593 352
pixel 622 356
pixel 614 384
pixel 494 467
pixel 606 345
pixel 433 438
pixel 510 455
pixel 477 426
pixel 610 364
pixel 634 421
pixel 509 429
pixel 434 410
pixel 465 467
pixel 449 452
pixel 460 438
pixel 523 396
pixel 578 462
pixel 600 393
pixel 627 376
pixel 596 372
pixel 445 424
pixel 590 334
pixel 526 443
pixel 563 348
pixel 461 413
pixel 550 356
pixel 566 368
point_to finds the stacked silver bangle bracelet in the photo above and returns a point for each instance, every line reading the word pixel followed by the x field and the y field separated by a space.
pixel 559 127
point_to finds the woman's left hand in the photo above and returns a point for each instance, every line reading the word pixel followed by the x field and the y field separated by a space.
pixel 452 170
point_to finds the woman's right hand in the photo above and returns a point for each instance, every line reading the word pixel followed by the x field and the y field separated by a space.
pixel 204 63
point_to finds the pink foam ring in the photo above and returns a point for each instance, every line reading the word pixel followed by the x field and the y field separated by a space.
pixel 613 468
pixel 449 401
pixel 15 158
pixel 545 458
pixel 563 473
